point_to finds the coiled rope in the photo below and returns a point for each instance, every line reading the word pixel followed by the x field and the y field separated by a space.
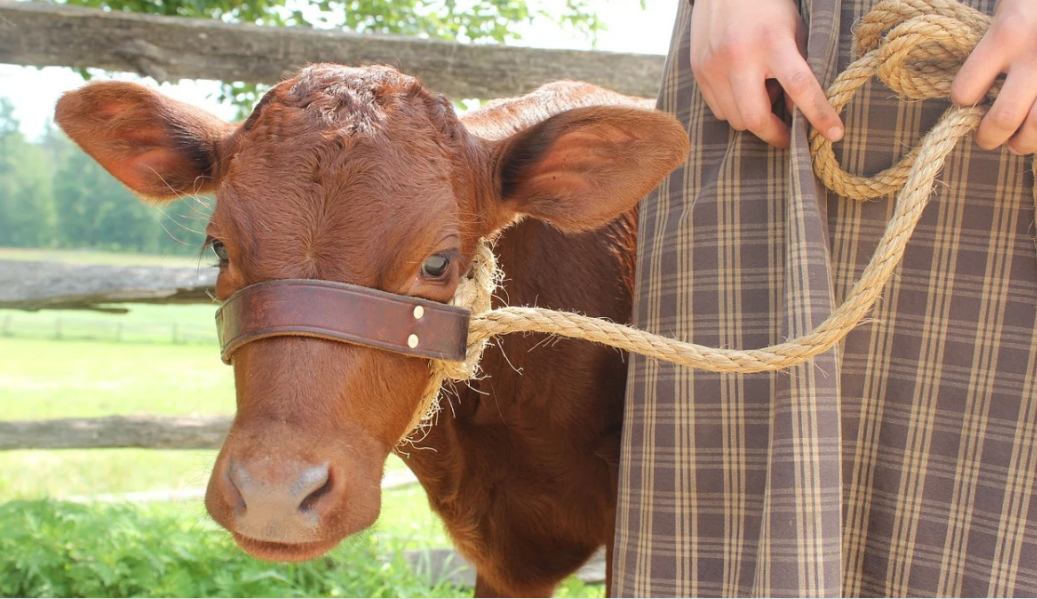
pixel 915 47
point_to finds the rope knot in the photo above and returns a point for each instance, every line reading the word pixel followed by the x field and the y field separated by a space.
pixel 888 14
pixel 920 57
pixel 916 48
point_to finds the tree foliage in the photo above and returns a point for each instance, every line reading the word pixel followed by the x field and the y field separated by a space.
pixel 26 212
pixel 54 195
pixel 462 20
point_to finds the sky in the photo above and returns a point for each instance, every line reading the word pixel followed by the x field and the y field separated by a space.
pixel 629 29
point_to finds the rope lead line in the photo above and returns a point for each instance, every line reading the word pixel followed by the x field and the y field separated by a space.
pixel 923 46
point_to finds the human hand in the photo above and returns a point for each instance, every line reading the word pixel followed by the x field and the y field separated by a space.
pixel 738 49
pixel 1009 46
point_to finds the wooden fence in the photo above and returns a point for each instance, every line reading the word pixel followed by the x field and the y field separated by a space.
pixel 28 285
pixel 171 48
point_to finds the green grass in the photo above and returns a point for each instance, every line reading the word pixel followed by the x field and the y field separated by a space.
pixel 77 379
pixel 47 378
pixel 144 323
pixel 406 516
pixel 57 549
pixel 41 474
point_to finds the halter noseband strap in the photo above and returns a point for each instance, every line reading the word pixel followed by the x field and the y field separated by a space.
pixel 342 312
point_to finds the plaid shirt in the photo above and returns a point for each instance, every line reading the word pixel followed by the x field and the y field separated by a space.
pixel 902 462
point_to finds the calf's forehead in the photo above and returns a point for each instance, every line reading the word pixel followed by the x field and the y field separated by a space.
pixel 371 183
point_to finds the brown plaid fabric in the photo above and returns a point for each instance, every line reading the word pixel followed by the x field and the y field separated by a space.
pixel 904 462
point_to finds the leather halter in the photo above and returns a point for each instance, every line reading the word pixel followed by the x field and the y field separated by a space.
pixel 342 312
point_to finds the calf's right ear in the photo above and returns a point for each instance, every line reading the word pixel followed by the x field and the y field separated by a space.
pixel 158 147
pixel 582 168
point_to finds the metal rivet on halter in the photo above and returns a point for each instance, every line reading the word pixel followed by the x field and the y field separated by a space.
pixel 418 313
pixel 412 341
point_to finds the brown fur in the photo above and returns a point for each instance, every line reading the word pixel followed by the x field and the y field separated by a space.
pixel 357 176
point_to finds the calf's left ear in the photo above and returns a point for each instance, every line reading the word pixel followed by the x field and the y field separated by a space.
pixel 158 147
pixel 581 169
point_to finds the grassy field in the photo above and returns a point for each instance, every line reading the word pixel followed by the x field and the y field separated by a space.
pixel 44 377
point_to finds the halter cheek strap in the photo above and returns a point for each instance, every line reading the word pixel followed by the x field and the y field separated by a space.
pixel 342 312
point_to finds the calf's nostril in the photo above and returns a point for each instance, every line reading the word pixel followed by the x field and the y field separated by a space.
pixel 309 481
pixel 234 495
pixel 308 502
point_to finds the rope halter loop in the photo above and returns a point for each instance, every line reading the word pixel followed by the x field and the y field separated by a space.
pixel 474 293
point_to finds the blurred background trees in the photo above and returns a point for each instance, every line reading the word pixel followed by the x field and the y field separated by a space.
pixel 53 195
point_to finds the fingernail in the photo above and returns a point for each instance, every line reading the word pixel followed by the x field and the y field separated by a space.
pixel 835 133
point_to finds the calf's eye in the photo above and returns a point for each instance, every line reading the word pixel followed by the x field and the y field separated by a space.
pixel 435 266
pixel 220 250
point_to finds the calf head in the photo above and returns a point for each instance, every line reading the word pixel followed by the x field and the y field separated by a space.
pixel 359 176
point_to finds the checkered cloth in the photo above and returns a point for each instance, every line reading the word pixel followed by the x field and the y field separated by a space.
pixel 903 462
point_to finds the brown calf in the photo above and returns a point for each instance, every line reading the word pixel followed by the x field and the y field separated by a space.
pixel 362 176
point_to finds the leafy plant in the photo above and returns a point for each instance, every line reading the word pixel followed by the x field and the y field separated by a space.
pixel 55 549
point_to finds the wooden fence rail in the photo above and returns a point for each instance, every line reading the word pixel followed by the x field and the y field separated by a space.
pixel 26 285
pixel 171 48
pixel 42 285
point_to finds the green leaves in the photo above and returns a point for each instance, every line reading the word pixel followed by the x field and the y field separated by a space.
pixel 26 212
pixel 54 549
pixel 54 195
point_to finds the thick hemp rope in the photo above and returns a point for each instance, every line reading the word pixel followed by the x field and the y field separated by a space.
pixel 915 47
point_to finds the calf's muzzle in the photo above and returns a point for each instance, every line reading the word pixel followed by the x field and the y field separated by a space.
pixel 278 505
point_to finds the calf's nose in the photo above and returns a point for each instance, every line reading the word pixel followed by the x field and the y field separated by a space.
pixel 278 503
